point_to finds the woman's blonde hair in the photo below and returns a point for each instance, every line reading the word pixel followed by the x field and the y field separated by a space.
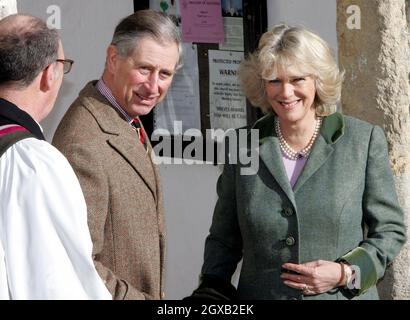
pixel 297 50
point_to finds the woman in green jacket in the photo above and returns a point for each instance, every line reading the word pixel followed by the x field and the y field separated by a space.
pixel 320 219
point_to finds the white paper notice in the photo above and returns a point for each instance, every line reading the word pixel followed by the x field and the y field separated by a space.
pixel 233 34
pixel 227 103
pixel 182 100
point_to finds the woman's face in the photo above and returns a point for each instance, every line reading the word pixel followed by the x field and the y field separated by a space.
pixel 291 96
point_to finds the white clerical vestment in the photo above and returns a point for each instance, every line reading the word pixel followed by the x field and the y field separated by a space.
pixel 45 244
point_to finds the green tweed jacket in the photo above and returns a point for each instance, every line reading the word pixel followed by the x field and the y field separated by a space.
pixel 345 190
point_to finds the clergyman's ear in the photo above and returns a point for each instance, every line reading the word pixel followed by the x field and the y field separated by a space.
pixel 47 77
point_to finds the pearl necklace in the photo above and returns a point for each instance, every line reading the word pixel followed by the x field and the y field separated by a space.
pixel 287 150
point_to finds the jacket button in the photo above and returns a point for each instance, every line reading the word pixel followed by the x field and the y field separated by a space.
pixel 290 241
pixel 287 212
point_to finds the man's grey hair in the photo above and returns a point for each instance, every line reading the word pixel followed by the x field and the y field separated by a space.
pixel 142 24
pixel 27 46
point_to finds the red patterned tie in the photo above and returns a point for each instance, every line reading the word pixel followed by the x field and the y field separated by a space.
pixel 137 124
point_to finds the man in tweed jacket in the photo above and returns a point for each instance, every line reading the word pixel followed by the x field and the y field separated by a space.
pixel 119 180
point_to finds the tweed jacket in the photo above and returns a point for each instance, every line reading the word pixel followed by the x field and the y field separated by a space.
pixel 123 195
pixel 346 184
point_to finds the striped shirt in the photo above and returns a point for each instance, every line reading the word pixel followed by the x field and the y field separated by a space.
pixel 134 122
pixel 106 92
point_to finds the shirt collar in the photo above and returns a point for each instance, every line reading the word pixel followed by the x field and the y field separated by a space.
pixel 39 125
pixel 10 113
pixel 107 93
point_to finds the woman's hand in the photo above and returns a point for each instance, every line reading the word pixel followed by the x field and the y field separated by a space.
pixel 314 277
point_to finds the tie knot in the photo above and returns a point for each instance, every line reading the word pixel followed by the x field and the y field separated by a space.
pixel 137 124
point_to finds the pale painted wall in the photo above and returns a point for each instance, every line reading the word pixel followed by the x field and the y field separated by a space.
pixel 318 16
pixel 189 191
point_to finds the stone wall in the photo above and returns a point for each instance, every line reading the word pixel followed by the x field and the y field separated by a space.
pixel 376 58
pixel 408 19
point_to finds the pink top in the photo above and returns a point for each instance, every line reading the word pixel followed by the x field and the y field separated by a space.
pixel 293 168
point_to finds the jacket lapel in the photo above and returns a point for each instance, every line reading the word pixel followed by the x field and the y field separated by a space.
pixel 122 137
pixel 332 130
pixel 136 155
pixel 320 153
pixel 270 154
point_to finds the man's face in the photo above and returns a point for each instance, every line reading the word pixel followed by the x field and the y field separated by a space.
pixel 141 80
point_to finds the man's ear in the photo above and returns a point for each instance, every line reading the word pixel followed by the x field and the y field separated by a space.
pixel 47 77
pixel 112 56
